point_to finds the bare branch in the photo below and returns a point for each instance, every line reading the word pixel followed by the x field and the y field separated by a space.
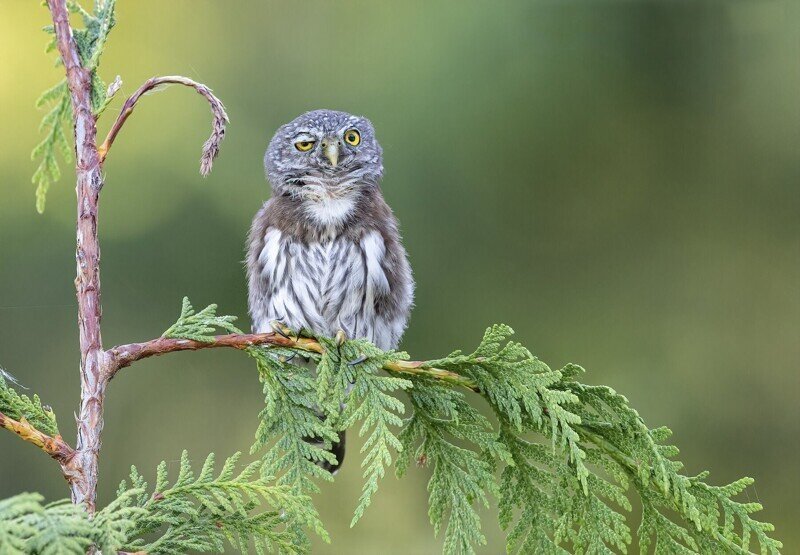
pixel 56 447
pixel 421 368
pixel 125 355
pixel 210 147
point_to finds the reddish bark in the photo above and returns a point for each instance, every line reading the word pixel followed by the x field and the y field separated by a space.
pixel 87 255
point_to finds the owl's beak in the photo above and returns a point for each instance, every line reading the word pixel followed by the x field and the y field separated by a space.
pixel 330 148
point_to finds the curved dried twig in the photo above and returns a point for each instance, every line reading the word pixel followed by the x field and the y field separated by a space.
pixel 210 147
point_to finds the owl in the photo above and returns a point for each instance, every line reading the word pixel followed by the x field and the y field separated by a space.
pixel 324 252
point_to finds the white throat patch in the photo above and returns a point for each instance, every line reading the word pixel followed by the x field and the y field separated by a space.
pixel 330 210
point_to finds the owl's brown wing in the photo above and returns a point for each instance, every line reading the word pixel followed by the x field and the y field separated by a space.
pixel 393 307
pixel 258 283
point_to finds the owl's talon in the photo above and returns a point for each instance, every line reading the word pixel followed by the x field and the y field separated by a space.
pixel 358 360
pixel 341 338
pixel 277 327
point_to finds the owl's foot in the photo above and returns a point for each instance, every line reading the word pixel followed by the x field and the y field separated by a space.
pixel 358 360
pixel 340 338
pixel 278 327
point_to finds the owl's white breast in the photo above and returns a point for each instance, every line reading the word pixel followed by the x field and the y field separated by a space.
pixel 324 286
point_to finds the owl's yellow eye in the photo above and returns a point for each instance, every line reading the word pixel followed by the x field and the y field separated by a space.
pixel 304 146
pixel 353 137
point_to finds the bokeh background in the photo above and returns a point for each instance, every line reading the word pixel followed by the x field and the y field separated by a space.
pixel 619 181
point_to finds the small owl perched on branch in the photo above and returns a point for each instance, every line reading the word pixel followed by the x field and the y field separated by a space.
pixel 324 253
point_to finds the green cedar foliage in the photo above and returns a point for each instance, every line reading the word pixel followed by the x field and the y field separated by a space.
pixel 195 514
pixel 200 326
pixel 562 458
pixel 21 407
pixel 350 389
pixel 288 417
pixel 435 435
pixel 28 526
pixel 199 513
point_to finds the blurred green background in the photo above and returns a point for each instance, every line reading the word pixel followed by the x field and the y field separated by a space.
pixel 616 180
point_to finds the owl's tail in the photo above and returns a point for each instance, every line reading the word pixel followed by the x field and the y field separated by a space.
pixel 337 449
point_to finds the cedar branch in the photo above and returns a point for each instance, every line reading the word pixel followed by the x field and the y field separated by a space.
pixel 125 355
pixel 55 447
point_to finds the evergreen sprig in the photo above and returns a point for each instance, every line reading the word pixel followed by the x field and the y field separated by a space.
pixel 707 513
pixel 436 434
pixel 21 407
pixel 90 42
pixel 197 514
pixel 520 389
pixel 289 418
pixel 351 390
pixel 54 125
pixel 59 527
pixel 27 526
pixel 200 326
pixel 554 508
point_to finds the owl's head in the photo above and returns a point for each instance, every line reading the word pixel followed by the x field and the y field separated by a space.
pixel 324 153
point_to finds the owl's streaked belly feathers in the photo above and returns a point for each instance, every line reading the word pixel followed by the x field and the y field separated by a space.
pixel 328 285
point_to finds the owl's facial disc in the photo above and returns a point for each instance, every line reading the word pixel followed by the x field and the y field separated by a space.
pixel 323 154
